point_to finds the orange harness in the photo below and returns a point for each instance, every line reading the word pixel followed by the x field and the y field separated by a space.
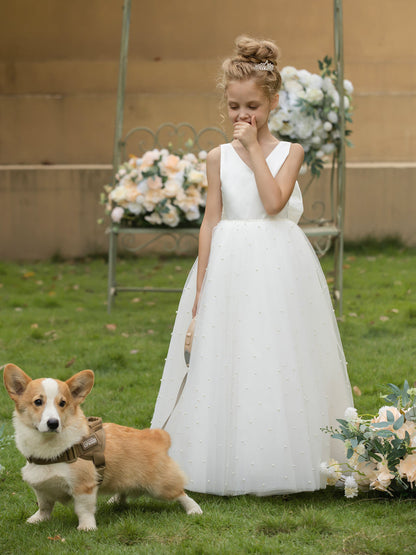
pixel 90 448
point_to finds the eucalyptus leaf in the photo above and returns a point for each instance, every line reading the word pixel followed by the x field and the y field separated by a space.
pixel 399 423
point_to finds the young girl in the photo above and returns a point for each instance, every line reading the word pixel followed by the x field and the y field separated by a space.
pixel 267 368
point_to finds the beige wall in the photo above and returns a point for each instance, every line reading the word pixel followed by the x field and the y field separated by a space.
pixel 58 81
pixel 54 210
pixel 58 69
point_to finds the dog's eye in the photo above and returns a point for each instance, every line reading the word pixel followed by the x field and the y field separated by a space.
pixel 38 402
pixel 62 403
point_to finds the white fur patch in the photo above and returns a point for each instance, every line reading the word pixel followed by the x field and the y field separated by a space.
pixel 51 389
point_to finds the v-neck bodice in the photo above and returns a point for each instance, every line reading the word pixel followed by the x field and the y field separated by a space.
pixel 241 200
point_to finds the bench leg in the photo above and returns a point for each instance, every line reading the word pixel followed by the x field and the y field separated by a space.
pixel 112 258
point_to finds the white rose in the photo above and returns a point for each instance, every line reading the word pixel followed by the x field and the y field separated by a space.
pixel 202 155
pixel 335 97
pixel 190 157
pixel 314 96
pixel 332 116
pixel 328 148
pixel 304 77
pixel 154 219
pixel 196 176
pixel 316 81
pixel 289 72
pixel 117 214
pixel 304 126
pixel 135 208
pixel 172 188
pixel 346 102
pixel 192 214
pixel 348 87
pixel 327 126
pixel 171 218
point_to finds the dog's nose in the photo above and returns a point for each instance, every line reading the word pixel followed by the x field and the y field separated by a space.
pixel 53 423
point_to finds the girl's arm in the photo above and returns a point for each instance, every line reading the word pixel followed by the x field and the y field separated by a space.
pixel 274 191
pixel 212 216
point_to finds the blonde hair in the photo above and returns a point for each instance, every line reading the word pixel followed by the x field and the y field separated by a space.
pixel 252 59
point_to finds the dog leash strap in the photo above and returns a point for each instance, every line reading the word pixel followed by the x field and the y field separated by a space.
pixel 181 388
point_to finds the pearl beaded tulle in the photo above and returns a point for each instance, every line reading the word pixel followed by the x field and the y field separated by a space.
pixel 267 369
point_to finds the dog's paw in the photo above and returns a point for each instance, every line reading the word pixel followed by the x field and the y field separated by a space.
pixel 39 516
pixel 191 507
pixel 196 510
pixel 87 524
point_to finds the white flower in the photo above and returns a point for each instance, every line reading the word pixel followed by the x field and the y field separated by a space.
pixel 332 471
pixel 190 157
pixel 196 177
pixel 202 155
pixel 346 102
pixel 154 219
pixel 327 126
pixel 304 77
pixel 348 87
pixel 289 72
pixel 314 96
pixel 332 116
pixel 171 218
pixel 117 214
pixel 304 127
pixel 328 148
pixel 351 414
pixel 135 208
pixel 351 487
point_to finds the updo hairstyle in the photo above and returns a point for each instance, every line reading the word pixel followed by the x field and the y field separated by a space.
pixel 243 64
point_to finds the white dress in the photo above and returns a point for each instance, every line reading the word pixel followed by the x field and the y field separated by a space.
pixel 267 367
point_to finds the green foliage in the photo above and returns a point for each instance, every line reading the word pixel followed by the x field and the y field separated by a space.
pixel 72 334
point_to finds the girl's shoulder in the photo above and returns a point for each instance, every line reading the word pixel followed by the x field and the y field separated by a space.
pixel 214 155
pixel 296 151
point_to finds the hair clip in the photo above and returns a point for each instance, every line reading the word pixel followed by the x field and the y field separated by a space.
pixel 264 66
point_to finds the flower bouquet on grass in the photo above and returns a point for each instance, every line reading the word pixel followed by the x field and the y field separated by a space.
pixel 308 113
pixel 380 451
pixel 158 189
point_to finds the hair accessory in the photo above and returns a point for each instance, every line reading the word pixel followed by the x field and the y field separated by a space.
pixel 264 66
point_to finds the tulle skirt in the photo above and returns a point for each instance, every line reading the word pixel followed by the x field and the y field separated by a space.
pixel 267 368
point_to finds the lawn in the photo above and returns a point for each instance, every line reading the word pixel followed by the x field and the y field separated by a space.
pixel 54 322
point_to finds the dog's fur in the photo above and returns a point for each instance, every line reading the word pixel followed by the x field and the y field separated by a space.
pixel 48 420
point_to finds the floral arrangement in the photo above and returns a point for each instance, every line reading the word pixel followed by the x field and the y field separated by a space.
pixel 308 112
pixel 380 451
pixel 158 189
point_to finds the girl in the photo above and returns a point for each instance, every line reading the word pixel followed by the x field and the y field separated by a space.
pixel 267 369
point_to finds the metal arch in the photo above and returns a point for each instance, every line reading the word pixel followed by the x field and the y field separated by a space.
pixel 119 144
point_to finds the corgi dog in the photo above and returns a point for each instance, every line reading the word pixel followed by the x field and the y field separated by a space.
pixel 49 423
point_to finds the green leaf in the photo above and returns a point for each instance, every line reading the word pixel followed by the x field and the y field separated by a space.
pixel 380 424
pixel 385 433
pixel 394 388
pixel 390 416
pixel 399 423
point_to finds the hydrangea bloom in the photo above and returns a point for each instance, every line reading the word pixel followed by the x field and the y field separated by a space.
pixel 308 112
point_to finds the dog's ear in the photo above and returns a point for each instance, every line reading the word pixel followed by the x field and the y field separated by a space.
pixel 80 385
pixel 15 381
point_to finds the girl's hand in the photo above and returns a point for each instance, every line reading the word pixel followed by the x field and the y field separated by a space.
pixel 246 132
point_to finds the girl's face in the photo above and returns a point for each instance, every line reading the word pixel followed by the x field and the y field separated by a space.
pixel 246 99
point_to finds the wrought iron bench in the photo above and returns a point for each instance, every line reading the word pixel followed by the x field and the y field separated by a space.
pixel 320 221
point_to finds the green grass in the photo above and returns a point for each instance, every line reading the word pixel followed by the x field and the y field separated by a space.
pixel 53 321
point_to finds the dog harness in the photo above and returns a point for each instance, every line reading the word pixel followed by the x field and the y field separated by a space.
pixel 90 448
